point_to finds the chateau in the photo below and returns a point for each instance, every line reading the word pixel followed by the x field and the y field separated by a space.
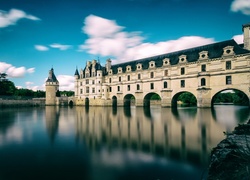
pixel 203 71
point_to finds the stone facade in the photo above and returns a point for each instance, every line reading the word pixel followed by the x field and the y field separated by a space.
pixel 203 71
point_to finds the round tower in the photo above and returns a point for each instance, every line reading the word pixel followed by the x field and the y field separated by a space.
pixel 52 87
pixel 246 35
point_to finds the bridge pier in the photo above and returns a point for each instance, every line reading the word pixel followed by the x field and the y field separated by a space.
pixel 204 98
pixel 166 99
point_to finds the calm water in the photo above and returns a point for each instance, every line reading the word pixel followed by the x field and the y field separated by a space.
pixel 113 144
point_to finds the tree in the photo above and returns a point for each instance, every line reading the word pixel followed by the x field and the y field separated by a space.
pixel 188 99
pixel 3 76
pixel 7 88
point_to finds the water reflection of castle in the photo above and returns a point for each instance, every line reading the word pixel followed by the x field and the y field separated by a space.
pixel 182 134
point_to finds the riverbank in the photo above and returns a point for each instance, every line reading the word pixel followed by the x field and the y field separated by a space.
pixel 231 158
pixel 22 103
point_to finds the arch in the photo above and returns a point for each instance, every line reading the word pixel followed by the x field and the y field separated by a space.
pixel 87 102
pixel 114 101
pixel 150 96
pixel 187 99
pixel 71 103
pixel 237 98
pixel 129 100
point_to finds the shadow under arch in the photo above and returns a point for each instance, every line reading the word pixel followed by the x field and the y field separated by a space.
pixel 71 103
pixel 150 96
pixel 128 100
pixel 238 97
pixel 114 101
pixel 188 99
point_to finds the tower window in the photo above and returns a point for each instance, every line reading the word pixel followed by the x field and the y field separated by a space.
pixel 151 74
pixel 110 80
pixel 166 73
pixel 182 83
pixel 165 84
pixel 203 82
pixel 138 87
pixel 120 78
pixel 182 71
pixel 228 79
pixel 203 67
pixel 228 65
pixel 139 76
pixel 151 85
pixel 128 87
pixel 128 77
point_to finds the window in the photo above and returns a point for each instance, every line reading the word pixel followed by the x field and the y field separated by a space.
pixel 203 82
pixel 110 89
pixel 80 83
pixel 80 91
pixel 128 87
pixel 228 79
pixel 93 90
pixel 110 80
pixel 151 85
pixel 182 71
pixel 151 74
pixel 93 73
pixel 138 87
pixel 165 84
pixel 118 88
pixel 87 89
pixel 128 77
pixel 203 67
pixel 139 76
pixel 93 81
pixel 120 78
pixel 166 73
pixel 87 81
pixel 182 83
pixel 228 65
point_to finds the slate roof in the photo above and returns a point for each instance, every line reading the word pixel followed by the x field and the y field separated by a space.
pixel 52 78
pixel 215 50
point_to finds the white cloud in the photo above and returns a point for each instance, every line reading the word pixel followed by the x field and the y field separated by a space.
pixel 14 72
pixel 242 6
pixel 61 47
pixel 106 38
pixel 11 17
pixel 238 38
pixel 66 82
pixel 41 48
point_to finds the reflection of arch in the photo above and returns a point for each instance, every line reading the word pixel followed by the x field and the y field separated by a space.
pixel 242 98
pixel 127 111
pixel 184 114
pixel 114 101
pixel 71 103
pixel 190 99
pixel 128 100
pixel 87 102
pixel 146 111
pixel 147 98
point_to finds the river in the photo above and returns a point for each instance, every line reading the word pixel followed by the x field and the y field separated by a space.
pixel 112 143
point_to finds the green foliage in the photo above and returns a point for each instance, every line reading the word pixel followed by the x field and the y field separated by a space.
pixel 67 93
pixel 155 97
pixel 7 88
pixel 188 99
pixel 234 97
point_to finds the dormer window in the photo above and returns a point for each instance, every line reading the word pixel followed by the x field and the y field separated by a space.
pixel 151 64
pixel 139 66
pixel 228 51
pixel 165 61
pixel 119 70
pixel 182 59
pixel 128 68
pixel 203 55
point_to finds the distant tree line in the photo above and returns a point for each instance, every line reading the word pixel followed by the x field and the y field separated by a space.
pixel 8 90
pixel 235 97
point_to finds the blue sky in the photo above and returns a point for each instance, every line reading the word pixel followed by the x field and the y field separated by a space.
pixel 36 35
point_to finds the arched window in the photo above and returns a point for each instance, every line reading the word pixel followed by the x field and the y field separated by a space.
pixel 151 74
pixel 165 84
pixel 203 82
pixel 138 87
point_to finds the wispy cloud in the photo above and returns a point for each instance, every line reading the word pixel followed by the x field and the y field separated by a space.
pixel 106 38
pixel 14 72
pixel 242 6
pixel 11 17
pixel 41 48
pixel 61 47
pixel 66 82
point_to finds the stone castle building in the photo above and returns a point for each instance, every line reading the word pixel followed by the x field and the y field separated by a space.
pixel 203 71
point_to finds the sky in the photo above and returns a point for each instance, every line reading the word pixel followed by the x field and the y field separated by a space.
pixel 37 35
